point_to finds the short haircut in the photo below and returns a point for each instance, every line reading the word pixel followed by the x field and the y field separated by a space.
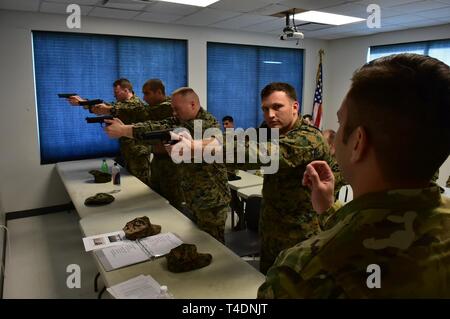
pixel 307 116
pixel 279 86
pixel 227 118
pixel 124 84
pixel 155 85
pixel 183 91
pixel 330 137
pixel 403 103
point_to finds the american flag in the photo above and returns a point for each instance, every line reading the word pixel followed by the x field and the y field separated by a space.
pixel 317 107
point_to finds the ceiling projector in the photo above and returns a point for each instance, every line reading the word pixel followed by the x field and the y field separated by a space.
pixel 289 33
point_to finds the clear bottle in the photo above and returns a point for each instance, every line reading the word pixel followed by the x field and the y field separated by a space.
pixel 116 176
pixel 164 293
pixel 104 168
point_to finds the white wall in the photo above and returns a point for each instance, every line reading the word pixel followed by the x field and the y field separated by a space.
pixel 25 184
pixel 346 55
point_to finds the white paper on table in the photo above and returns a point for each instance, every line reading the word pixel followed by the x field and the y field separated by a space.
pixel 103 240
pixel 126 254
pixel 140 287
pixel 161 244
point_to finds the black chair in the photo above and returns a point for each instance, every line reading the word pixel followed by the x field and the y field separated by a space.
pixel 246 242
pixel 237 208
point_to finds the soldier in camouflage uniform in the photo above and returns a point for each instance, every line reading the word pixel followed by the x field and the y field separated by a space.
pixel 135 154
pixel 393 239
pixel 287 216
pixel 163 172
pixel 204 186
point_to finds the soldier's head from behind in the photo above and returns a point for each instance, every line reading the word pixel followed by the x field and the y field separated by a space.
pixel 123 90
pixel 185 104
pixel 280 106
pixel 308 119
pixel 228 122
pixel 154 92
pixel 381 141
pixel 330 136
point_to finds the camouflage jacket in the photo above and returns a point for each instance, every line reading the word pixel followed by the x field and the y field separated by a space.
pixel 139 112
pixel 142 113
pixel 405 232
pixel 125 111
pixel 204 185
pixel 287 207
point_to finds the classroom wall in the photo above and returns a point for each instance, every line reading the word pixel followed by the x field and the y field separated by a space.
pixel 346 55
pixel 25 184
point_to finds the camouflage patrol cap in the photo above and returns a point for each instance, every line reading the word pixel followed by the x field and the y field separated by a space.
pixel 186 258
pixel 140 227
pixel 100 177
pixel 99 199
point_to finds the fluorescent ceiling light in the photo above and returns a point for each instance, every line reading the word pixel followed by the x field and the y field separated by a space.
pixel 326 18
pixel 272 62
pixel 198 3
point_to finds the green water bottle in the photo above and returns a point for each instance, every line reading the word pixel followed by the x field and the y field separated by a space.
pixel 104 168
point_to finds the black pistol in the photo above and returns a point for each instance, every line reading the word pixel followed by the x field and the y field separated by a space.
pixel 66 95
pixel 160 136
pixel 88 104
pixel 99 119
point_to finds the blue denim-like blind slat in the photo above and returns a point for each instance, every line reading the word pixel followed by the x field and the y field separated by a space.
pixel 238 73
pixel 154 58
pixel 88 65
pixel 439 49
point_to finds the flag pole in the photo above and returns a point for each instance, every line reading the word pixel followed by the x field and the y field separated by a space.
pixel 317 106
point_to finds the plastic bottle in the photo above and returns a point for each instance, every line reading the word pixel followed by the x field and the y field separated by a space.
pixel 116 176
pixel 164 293
pixel 104 168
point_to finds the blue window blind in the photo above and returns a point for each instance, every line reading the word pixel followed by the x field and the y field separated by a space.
pixel 88 65
pixel 439 49
pixel 238 73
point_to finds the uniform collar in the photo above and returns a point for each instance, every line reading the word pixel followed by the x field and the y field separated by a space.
pixel 417 199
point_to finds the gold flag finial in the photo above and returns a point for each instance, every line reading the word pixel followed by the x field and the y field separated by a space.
pixel 321 53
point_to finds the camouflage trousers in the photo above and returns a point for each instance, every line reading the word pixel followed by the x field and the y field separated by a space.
pixel 139 166
pixel 164 180
pixel 212 221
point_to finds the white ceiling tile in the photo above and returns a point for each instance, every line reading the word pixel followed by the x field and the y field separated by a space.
pixel 312 27
pixel 349 27
pixel 157 17
pixel 120 4
pixel 385 3
pixel 388 8
pixel 21 5
pixel 425 23
pixel 442 13
pixel 207 16
pixel 243 21
pixel 401 20
pixel 271 9
pixel 53 7
pixel 79 2
pixel 311 4
pixel 277 24
pixel 172 8
pixel 113 13
pixel 349 9
pixel 420 6
pixel 240 5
